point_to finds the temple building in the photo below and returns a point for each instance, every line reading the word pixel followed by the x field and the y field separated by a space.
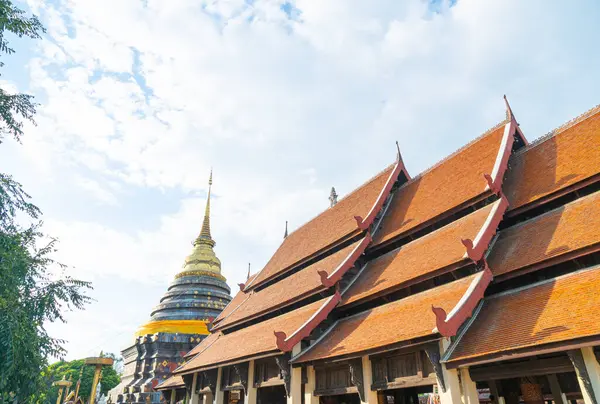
pixel 178 323
pixel 475 281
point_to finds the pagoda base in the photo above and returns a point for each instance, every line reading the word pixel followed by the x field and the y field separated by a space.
pixel 149 361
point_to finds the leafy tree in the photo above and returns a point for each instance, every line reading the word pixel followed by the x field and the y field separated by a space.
pixel 31 295
pixel 71 369
pixel 15 106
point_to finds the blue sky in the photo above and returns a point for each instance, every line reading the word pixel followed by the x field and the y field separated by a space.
pixel 282 98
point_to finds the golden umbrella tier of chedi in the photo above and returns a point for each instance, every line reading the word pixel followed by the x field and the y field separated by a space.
pixel 195 297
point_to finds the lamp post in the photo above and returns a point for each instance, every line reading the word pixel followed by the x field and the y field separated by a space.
pixel 98 362
pixel 61 386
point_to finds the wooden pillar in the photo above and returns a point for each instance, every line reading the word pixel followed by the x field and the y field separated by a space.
pixel 470 395
pixel 557 394
pixel 593 368
pixel 370 395
pixel 207 398
pixel 311 385
pixel 251 392
pixel 219 393
pixel 295 396
pixel 173 396
pixel 495 391
pixel 194 397
pixel 588 373
pixel 451 382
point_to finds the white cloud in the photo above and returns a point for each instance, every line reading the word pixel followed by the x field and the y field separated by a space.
pixel 96 190
pixel 139 98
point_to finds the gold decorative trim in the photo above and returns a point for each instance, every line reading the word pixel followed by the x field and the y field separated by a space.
pixel 174 326
pixel 200 273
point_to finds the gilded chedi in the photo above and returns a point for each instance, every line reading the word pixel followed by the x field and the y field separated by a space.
pixel 179 322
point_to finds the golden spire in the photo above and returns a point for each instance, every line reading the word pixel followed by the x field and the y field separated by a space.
pixel 203 258
pixel 205 232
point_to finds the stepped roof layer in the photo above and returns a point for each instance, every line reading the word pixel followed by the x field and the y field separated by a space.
pixel 566 158
pixel 235 302
pixel 256 339
pixel 301 284
pixel 403 320
pixel 418 260
pixel 448 185
pixel 532 318
pixel 326 229
pixel 561 231
pixel 170 383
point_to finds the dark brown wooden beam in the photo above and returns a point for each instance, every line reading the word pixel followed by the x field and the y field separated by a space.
pixel 534 367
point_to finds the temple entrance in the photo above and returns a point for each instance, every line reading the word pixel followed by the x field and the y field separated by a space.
pixel 411 395
pixel 530 380
pixel 180 395
pixel 271 395
pixel 341 399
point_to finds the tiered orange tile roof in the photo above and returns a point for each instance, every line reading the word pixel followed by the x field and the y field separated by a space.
pixel 301 284
pixel 207 341
pixel 418 260
pixel 253 340
pixel 326 229
pixel 564 159
pixel 563 309
pixel 171 382
pixel 448 185
pixel 399 321
pixel 558 232
pixel 234 303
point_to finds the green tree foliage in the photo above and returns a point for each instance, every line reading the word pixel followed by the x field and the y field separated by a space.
pixel 34 290
pixel 71 369
pixel 14 107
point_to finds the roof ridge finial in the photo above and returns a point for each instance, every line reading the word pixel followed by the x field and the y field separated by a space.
pixel 333 197
pixel 248 276
pixel 205 232
pixel 286 230
pixel 509 113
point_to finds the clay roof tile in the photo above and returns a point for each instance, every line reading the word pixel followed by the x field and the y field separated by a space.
pixel 452 183
pixel 256 339
pixel 532 317
pixel 328 228
pixel 558 232
pixel 388 324
pixel 418 260
pixel 567 156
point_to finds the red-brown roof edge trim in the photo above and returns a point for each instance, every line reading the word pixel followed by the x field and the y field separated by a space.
pixel 477 247
pixel 331 279
pixel 511 116
pixel 286 344
pixel 365 223
pixel 494 180
pixel 448 324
